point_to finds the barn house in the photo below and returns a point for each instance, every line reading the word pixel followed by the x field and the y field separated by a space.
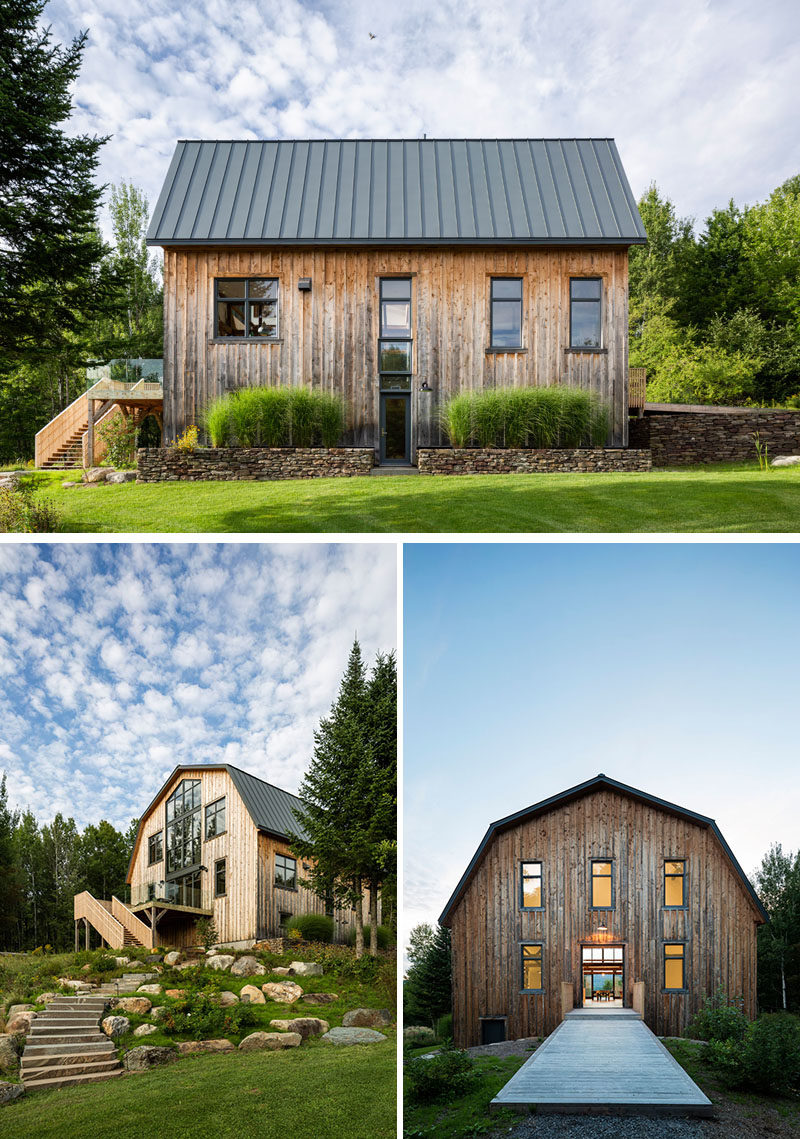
pixel 600 896
pixel 395 274
pixel 214 842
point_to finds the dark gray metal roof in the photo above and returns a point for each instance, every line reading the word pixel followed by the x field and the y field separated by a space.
pixel 396 191
pixel 598 783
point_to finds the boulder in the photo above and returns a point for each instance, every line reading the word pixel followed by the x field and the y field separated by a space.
pixel 175 993
pixel 284 992
pixel 305 1025
pixel 280 971
pixel 319 998
pixel 252 994
pixel 172 958
pixel 226 999
pixel 66 485
pixel 15 1010
pixel 122 476
pixel 247 967
pixel 353 1036
pixel 122 961
pixel 261 1041
pixel 148 1056
pixel 305 969
pixel 21 1023
pixel 78 986
pixel 221 961
pixel 367 1018
pixel 419 1034
pixel 785 461
pixel 154 958
pixel 97 474
pixel 138 1005
pixel 9 1057
pixel 145 1030
pixel 186 965
pixel 46 998
pixel 159 1012
pixel 149 989
pixel 116 1025
pixel 10 1091
pixel 189 1047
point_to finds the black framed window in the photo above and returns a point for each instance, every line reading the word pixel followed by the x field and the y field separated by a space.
pixel 531 886
pixel 532 968
pixel 246 307
pixel 395 343
pixel 506 312
pixel 186 890
pixel 285 871
pixel 220 878
pixel 215 818
pixel 585 299
pixel 155 848
pixel 183 826
pixel 675 883
pixel 674 966
pixel 602 872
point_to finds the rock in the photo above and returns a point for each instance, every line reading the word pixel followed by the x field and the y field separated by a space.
pixel 9 1056
pixel 148 1056
pixel 159 1012
pixel 259 1041
pixel 78 986
pixel 10 1091
pixel 175 993
pixel 149 989
pixel 353 1036
pixel 367 1018
pixel 247 967
pixel 186 965
pixel 145 1029
pixel 189 1047
pixel 154 958
pixel 785 461
pixel 86 968
pixel 97 474
pixel 280 971
pixel 122 961
pixel 46 998
pixel 122 476
pixel 226 999
pixel 138 1005
pixel 116 1025
pixel 419 1034
pixel 66 485
pixel 319 998
pixel 305 969
pixel 221 961
pixel 305 1025
pixel 15 1010
pixel 284 992
pixel 252 994
pixel 21 1023
pixel 172 958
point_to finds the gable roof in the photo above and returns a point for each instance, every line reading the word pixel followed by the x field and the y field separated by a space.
pixel 270 808
pixel 396 191
pixel 600 782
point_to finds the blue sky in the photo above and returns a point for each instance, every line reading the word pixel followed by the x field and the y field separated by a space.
pixel 700 94
pixel 119 661
pixel 530 668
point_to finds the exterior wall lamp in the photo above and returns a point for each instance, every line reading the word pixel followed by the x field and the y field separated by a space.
pixel 304 284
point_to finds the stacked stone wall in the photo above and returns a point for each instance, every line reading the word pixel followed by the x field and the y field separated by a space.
pixel 255 464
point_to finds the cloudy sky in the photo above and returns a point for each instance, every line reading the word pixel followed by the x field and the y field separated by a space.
pixel 699 94
pixel 118 662
pixel 531 668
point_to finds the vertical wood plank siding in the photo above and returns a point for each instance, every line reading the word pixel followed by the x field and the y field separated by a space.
pixel 274 900
pixel 718 925
pixel 328 337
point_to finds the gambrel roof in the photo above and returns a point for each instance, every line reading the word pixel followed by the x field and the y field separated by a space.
pixel 599 783
pixel 396 191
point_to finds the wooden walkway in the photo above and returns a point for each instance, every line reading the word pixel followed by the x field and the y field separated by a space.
pixel 603 1061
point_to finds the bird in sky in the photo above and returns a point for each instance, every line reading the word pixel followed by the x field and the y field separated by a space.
pixel 371 36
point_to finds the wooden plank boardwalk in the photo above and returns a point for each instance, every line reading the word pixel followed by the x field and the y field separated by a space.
pixel 603 1061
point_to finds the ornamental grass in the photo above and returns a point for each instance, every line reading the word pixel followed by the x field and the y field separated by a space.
pixel 555 416
pixel 274 417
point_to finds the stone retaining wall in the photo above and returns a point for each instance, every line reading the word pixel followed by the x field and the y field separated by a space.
pixel 698 437
pixel 508 461
pixel 255 464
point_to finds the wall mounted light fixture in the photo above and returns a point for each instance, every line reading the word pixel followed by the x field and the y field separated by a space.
pixel 304 284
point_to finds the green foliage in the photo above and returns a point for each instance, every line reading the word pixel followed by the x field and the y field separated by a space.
pixel 444 1027
pixel 23 511
pixel 555 416
pixel 427 993
pixel 105 964
pixel 200 1017
pixel 313 927
pixel 302 416
pixel 778 885
pixel 767 1058
pixel 385 936
pixel 719 1019
pixel 274 417
pixel 119 436
pixel 446 1076
pixel 206 932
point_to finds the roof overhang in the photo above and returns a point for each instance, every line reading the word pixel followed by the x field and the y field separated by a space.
pixel 395 242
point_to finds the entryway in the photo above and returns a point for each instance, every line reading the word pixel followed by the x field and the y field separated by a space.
pixel 395 427
pixel 602 976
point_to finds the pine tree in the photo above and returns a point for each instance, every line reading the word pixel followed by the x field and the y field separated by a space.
pixel 10 886
pixel 427 993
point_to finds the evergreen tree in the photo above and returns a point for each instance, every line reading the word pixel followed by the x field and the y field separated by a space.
pixel 428 991
pixel 102 860
pixel 10 892
pixel 139 328
pixel 778 885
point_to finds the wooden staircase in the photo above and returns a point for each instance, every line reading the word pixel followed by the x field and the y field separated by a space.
pixel 63 441
pixel 117 925
pixel 66 1045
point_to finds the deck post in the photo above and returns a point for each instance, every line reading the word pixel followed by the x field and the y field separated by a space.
pixel 77 922
pixel 90 433
pixel 86 926
pixel 567 998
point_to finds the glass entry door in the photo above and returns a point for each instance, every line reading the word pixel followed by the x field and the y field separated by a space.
pixel 395 427
pixel 602 976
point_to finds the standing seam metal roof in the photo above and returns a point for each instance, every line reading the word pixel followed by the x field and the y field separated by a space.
pixel 396 191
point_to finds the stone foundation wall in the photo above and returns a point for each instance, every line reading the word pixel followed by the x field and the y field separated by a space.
pixel 255 464
pixel 508 461
pixel 699 437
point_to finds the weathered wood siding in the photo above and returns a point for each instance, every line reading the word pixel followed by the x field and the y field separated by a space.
pixel 329 337
pixel 488 925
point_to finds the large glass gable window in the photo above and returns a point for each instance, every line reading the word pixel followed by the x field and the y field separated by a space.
pixel 584 312
pixel 506 312
pixel 246 307
pixel 183 826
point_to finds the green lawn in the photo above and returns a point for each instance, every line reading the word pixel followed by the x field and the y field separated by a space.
pixel 469 1113
pixel 720 499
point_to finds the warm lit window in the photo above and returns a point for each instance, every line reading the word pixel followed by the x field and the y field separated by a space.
pixel 215 818
pixel 602 885
pixel 532 886
pixel 285 871
pixel 584 312
pixel 246 307
pixel 155 848
pixel 675 883
pixel 220 882
pixel 506 323
pixel 674 966
pixel 532 968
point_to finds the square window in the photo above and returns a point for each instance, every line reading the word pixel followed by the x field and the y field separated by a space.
pixel 285 872
pixel 395 356
pixel 247 308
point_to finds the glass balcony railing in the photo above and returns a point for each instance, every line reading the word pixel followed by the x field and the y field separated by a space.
pixel 186 891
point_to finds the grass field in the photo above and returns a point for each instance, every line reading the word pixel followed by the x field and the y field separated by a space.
pixel 720 499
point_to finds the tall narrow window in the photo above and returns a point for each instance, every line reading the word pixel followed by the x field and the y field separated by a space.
pixel 506 325
pixel 675 884
pixel 155 847
pixel 532 886
pixel 215 818
pixel 532 968
pixel 220 878
pixel 246 307
pixel 674 966
pixel 395 343
pixel 584 312
pixel 602 885
pixel 183 826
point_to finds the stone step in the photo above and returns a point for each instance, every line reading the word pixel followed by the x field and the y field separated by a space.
pixel 36 1051
pixel 97 1004
pixel 78 1037
pixel 65 1081
pixel 58 1024
pixel 72 1066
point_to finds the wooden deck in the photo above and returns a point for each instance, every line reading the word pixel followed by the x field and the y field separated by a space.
pixel 603 1061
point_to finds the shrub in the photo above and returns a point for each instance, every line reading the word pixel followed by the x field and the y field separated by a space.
pixel 274 417
pixel 199 1016
pixel 385 936
pixel 455 418
pixel 215 419
pixel 555 416
pixel 330 419
pixel 444 1026
pixel 22 511
pixel 446 1076
pixel 206 932
pixel 188 441
pixel 719 1019
pixel 770 1055
pixel 119 436
pixel 312 927
pixel 104 964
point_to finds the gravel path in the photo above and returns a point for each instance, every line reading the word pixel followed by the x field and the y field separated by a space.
pixel 523 1047
pixel 610 1127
